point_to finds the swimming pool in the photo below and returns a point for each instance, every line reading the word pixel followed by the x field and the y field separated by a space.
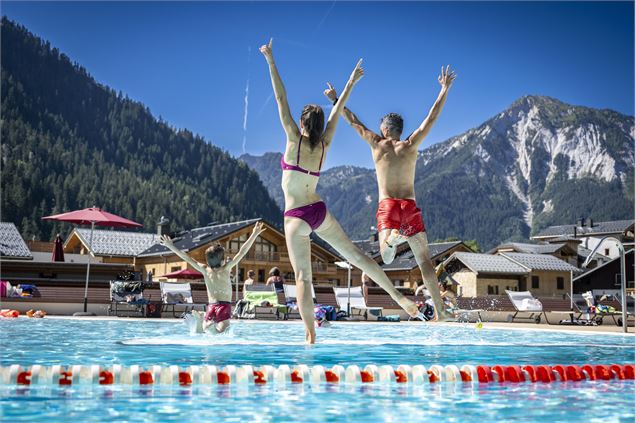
pixel 145 343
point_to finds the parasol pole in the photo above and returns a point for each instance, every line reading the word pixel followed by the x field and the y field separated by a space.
pixel 90 252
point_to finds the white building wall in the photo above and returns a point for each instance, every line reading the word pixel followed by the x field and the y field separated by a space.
pixel 608 244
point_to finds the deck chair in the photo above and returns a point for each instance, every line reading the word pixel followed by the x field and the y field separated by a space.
pixel 613 298
pixel 358 304
pixel 290 298
pixel 126 298
pixel 178 295
pixel 524 302
pixel 581 307
pixel 256 295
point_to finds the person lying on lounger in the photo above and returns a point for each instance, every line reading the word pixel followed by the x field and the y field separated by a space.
pixel 217 281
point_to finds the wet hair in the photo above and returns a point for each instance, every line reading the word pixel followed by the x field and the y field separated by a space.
pixel 393 123
pixel 251 274
pixel 312 119
pixel 274 271
pixel 214 255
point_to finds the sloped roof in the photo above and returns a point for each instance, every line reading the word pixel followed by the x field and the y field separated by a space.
pixel 540 262
pixel 369 247
pixel 584 252
pixel 404 260
pixel 117 243
pixel 564 238
pixel 590 271
pixel 194 238
pixel 488 263
pixel 11 243
pixel 611 227
pixel 521 247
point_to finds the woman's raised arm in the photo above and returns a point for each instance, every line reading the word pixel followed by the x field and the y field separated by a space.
pixel 286 119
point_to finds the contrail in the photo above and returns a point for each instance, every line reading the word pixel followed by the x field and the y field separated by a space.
pixel 246 112
pixel 328 12
pixel 262 108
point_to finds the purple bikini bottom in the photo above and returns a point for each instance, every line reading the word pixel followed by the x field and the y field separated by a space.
pixel 313 214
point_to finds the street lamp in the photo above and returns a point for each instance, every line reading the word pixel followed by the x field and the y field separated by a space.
pixel 620 247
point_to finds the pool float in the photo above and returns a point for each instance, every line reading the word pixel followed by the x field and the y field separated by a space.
pixel 8 313
pixel 38 314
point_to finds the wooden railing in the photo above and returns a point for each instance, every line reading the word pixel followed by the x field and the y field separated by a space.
pixel 276 257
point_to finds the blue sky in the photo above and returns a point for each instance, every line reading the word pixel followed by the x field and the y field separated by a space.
pixel 190 62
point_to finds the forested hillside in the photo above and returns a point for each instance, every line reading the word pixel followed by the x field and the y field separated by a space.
pixel 69 142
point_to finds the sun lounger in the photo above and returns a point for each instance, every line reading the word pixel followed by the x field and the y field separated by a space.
pixel 178 294
pixel 613 298
pixel 256 296
pixel 128 294
pixel 290 300
pixel 580 314
pixel 357 304
pixel 524 302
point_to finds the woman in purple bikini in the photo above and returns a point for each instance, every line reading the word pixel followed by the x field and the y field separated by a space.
pixel 305 212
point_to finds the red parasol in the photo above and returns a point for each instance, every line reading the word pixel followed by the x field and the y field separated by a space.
pixel 93 216
pixel 184 274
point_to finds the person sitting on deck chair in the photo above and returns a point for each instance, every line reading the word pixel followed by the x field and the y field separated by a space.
pixel 217 281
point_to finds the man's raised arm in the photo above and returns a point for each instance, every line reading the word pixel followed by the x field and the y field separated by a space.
pixel 445 79
pixel 167 242
pixel 367 135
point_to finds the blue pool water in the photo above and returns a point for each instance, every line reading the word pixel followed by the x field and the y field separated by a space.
pixel 127 342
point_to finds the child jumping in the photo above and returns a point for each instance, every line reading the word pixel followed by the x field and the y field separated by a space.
pixel 217 280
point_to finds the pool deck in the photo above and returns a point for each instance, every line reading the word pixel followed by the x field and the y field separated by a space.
pixel 603 329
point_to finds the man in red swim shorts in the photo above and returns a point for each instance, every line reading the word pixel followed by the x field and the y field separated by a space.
pixel 398 217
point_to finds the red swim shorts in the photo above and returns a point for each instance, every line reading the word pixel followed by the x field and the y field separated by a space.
pixel 404 215
pixel 219 312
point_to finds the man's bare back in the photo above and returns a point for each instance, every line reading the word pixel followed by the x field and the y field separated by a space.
pixel 395 163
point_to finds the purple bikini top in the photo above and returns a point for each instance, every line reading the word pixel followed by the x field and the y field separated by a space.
pixel 286 166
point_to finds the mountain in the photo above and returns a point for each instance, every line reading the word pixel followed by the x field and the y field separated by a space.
pixel 540 162
pixel 69 142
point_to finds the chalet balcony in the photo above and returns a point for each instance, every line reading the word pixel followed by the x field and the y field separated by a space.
pixel 275 258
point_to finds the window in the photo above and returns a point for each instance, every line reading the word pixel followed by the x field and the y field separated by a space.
pixel 261 245
pixel 559 282
pixel 535 282
pixel 492 290
pixel 261 275
pixel 241 274
pixel 607 252
pixel 175 269
pixel 398 282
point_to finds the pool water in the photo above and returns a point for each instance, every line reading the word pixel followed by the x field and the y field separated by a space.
pixel 66 342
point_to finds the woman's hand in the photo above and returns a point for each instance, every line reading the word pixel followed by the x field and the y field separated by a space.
pixel 447 77
pixel 330 92
pixel 358 72
pixel 267 51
